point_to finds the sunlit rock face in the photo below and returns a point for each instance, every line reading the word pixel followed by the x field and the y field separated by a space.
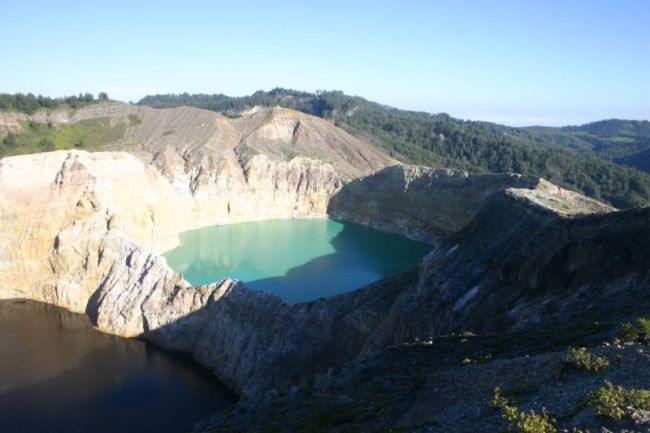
pixel 58 209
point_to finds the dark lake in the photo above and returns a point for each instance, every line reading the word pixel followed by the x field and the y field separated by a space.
pixel 58 374
pixel 297 259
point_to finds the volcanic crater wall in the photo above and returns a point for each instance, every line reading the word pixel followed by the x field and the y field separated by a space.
pixel 85 231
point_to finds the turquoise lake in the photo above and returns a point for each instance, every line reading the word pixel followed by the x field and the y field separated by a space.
pixel 297 259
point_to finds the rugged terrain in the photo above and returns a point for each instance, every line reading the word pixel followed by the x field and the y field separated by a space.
pixel 511 254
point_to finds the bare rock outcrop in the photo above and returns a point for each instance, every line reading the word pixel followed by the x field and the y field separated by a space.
pixel 431 204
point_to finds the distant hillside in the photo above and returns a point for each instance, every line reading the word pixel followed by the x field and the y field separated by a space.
pixel 575 157
pixel 622 141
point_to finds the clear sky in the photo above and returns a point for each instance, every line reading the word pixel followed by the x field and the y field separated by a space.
pixel 514 62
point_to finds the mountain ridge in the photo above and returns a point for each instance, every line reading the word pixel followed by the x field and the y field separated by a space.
pixel 441 140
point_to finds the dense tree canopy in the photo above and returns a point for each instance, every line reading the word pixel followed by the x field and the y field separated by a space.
pixel 29 103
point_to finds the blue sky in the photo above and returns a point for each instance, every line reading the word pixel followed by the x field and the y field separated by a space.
pixel 514 62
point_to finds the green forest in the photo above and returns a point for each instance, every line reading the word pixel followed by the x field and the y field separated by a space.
pixel 29 103
pixel 583 158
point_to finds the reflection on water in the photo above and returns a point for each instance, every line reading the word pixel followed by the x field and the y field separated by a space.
pixel 57 374
pixel 299 260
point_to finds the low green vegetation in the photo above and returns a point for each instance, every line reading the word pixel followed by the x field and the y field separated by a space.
pixel 579 358
pixel 41 137
pixel 478 357
pixel 441 140
pixel 134 119
pixel 521 421
pixel 29 103
pixel 629 332
pixel 511 394
pixel 528 422
pixel 499 399
pixel 614 401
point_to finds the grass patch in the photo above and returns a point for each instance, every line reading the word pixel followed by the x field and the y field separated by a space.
pixel 37 137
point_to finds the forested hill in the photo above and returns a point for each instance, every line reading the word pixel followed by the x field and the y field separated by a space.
pixel 623 141
pixel 29 103
pixel 557 154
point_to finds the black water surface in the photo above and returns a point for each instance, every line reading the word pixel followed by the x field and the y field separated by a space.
pixel 58 374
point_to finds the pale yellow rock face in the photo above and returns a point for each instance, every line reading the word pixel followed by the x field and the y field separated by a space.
pixel 63 211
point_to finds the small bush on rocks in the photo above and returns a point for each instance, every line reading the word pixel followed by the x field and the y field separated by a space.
pixel 613 401
pixel 498 399
pixel 580 358
pixel 528 422
pixel 519 421
pixel 628 332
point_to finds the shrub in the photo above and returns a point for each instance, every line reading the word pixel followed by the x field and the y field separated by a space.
pixel 10 140
pixel 628 332
pixel 528 422
pixel 580 358
pixel 519 421
pixel 134 119
pixel 612 401
pixel 498 399
pixel 644 325
pixel 47 144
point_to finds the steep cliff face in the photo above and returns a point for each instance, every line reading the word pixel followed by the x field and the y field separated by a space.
pixel 563 269
pixel 56 208
pixel 520 263
pixel 431 204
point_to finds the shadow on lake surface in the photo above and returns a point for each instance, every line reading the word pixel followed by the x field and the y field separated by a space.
pixel 298 260
pixel 58 374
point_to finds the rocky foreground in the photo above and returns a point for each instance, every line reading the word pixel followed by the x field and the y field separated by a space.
pixel 510 254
